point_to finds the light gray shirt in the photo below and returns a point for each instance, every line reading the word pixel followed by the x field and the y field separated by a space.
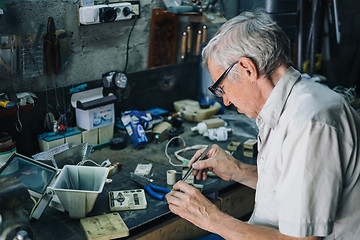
pixel 308 162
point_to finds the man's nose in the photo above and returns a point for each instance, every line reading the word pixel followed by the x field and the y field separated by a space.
pixel 226 100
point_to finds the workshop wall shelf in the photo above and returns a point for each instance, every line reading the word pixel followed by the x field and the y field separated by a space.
pixel 13 111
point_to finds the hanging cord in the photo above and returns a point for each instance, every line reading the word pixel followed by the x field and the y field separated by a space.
pixel 177 153
pixel 36 203
pixel 18 124
pixel 105 163
pixel 166 148
pixel 64 106
pixel 49 116
pixel 62 118
pixel 57 101
pixel 128 41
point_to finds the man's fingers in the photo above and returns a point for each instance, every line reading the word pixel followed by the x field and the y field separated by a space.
pixel 173 199
pixel 200 165
pixel 196 156
pixel 204 177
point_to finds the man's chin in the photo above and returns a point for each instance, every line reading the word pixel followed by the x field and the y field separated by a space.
pixel 249 115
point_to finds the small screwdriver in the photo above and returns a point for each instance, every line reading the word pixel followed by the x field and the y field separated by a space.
pixel 187 174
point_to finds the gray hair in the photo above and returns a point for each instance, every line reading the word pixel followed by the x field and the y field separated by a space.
pixel 251 34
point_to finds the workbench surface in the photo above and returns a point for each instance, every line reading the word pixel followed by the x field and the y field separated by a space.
pixel 54 224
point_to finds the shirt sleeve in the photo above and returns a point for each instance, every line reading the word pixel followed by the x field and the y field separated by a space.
pixel 310 185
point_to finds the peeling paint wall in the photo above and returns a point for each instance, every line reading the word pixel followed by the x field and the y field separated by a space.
pixel 93 49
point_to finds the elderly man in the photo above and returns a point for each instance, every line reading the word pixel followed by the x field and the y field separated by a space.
pixel 308 167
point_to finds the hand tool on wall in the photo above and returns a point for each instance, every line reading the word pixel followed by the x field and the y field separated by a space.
pixel 189 40
pixel 35 49
pixel 151 188
pixel 37 38
pixel 183 46
pixel 198 42
pixel 51 48
pixel 204 34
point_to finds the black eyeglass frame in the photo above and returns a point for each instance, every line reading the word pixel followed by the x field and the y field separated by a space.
pixel 215 89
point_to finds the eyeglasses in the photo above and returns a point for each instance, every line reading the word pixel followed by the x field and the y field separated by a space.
pixel 216 89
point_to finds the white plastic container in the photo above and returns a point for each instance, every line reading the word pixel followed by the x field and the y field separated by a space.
pixel 91 136
pixel 78 187
pixel 106 133
pixel 95 117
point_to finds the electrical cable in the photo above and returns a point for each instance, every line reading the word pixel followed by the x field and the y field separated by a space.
pixel 177 153
pixel 35 206
pixel 166 147
pixel 128 41
pixel 194 147
pixel 49 116
pixel 105 163
pixel 18 124
pixel 63 115
pixel 88 160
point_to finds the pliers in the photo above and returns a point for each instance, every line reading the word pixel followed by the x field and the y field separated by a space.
pixel 151 188
pixel 51 48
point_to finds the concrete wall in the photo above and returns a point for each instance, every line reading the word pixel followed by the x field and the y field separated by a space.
pixel 93 50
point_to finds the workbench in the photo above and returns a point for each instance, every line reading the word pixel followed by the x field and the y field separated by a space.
pixel 156 221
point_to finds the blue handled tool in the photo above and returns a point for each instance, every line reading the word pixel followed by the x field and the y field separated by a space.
pixel 151 188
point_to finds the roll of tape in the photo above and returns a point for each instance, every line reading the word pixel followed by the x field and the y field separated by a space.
pixel 170 177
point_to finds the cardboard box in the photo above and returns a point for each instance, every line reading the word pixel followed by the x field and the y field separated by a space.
pixel 95 117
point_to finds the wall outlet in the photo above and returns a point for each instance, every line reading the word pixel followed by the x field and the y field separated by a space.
pixel 135 7
pixel 103 13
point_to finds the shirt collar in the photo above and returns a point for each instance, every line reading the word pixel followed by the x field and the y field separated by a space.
pixel 272 109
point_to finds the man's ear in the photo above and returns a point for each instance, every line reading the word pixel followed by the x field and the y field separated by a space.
pixel 248 68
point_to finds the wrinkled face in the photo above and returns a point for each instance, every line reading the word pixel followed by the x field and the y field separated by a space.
pixel 242 93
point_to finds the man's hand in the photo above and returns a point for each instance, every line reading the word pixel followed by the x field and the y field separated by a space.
pixel 188 202
pixel 217 161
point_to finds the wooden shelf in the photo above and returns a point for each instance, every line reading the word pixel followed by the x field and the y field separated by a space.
pixel 13 111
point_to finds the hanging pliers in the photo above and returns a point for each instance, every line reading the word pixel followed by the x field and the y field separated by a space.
pixel 51 48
